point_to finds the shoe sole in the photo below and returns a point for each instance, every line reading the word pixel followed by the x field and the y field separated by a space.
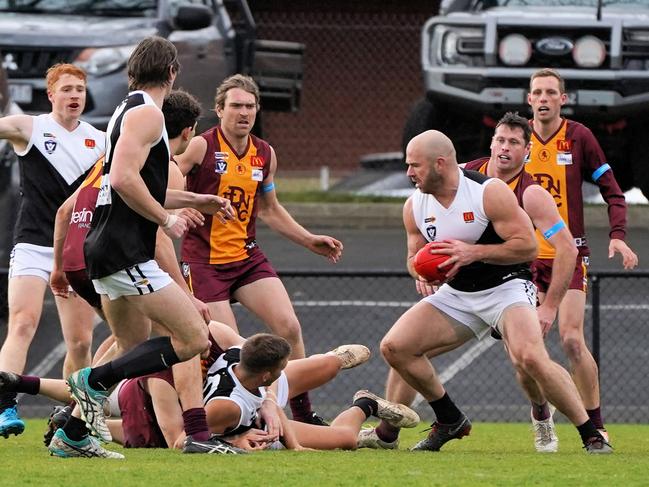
pixel 359 358
pixel 12 430
pixel 397 415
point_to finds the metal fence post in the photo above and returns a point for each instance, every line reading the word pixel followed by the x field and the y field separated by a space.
pixel 596 318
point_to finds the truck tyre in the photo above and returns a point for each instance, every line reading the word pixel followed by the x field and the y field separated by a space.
pixel 421 118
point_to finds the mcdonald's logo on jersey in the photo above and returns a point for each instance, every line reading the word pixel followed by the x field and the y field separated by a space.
pixel 468 217
pixel 90 143
pixel 256 161
pixel 564 145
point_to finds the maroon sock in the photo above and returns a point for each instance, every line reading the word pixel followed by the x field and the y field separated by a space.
pixel 195 423
pixel 386 432
pixel 541 412
pixel 29 384
pixel 595 416
pixel 301 406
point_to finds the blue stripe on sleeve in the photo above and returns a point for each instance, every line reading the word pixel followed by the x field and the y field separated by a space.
pixel 600 170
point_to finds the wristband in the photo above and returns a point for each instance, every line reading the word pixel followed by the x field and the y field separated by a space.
pixel 268 187
pixel 170 221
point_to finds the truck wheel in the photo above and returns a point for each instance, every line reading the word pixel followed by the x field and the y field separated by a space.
pixel 420 119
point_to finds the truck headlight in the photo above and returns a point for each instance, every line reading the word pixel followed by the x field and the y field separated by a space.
pixel 451 45
pixel 515 50
pixel 589 52
pixel 104 60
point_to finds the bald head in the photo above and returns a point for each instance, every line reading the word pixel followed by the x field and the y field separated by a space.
pixel 432 144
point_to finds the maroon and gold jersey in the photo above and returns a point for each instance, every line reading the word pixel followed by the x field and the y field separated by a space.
pixel 560 164
pixel 84 207
pixel 237 177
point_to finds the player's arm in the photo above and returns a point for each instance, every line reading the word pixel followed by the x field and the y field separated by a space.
pixel 602 175
pixel 414 241
pixel 193 155
pixel 58 282
pixel 141 128
pixel 166 407
pixel 540 207
pixel 17 129
pixel 280 220
pixel 223 414
pixel 224 336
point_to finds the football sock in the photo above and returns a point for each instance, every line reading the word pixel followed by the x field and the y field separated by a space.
pixel 301 406
pixel 148 357
pixel 386 432
pixel 75 429
pixel 446 410
pixel 7 400
pixel 587 430
pixel 541 412
pixel 595 416
pixel 195 423
pixel 367 405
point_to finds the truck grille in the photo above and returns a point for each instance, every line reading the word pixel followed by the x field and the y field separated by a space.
pixel 540 59
pixel 32 62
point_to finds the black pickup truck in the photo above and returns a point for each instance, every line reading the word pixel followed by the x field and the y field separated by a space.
pixel 477 57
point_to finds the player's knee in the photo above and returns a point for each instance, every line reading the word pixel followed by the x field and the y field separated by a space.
pixel 391 351
pixel 78 347
pixel 530 363
pixel 23 327
pixel 574 348
pixel 289 329
pixel 196 344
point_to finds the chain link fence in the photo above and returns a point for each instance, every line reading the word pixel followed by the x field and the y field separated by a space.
pixel 362 75
pixel 339 307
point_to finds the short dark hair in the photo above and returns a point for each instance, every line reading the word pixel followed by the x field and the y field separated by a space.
pixel 514 120
pixel 181 110
pixel 246 83
pixel 263 351
pixel 549 73
pixel 148 66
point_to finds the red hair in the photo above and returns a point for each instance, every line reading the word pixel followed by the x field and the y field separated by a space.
pixel 58 70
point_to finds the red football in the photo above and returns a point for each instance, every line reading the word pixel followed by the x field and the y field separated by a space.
pixel 426 264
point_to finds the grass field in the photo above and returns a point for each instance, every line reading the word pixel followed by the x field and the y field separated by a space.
pixel 494 454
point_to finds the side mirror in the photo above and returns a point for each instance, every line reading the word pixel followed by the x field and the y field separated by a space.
pixel 193 17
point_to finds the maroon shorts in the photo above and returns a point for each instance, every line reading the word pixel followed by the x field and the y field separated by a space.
pixel 218 282
pixel 139 423
pixel 542 273
pixel 82 285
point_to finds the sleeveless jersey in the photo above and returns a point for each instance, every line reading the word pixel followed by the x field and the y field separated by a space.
pixel 52 167
pixel 80 220
pixel 237 177
pixel 518 184
pixel 465 220
pixel 119 237
pixel 222 384
pixel 560 164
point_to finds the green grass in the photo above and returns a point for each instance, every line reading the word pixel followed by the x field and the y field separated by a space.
pixel 494 454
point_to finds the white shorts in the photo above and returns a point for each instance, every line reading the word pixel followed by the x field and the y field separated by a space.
pixel 140 279
pixel 483 310
pixel 282 391
pixel 31 260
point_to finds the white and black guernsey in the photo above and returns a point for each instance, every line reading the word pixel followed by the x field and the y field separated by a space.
pixel 52 167
pixel 119 237
pixel 222 384
pixel 465 220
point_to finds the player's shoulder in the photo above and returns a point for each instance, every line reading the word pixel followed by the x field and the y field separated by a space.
pixel 476 164
pixel 576 129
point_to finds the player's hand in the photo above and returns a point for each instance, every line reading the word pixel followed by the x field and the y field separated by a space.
pixel 176 226
pixel 269 414
pixel 547 315
pixel 59 284
pixel 425 288
pixel 251 440
pixel 461 254
pixel 326 246
pixel 210 204
pixel 629 258
pixel 193 217
pixel 203 309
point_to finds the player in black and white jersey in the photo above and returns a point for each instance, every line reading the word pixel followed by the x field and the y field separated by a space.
pixel 55 151
pixel 119 252
pixel 478 222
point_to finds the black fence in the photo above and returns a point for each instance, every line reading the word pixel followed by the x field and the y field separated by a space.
pixel 360 306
